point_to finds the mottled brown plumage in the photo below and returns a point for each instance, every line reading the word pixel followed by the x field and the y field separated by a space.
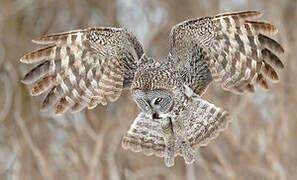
pixel 236 49
pixel 83 68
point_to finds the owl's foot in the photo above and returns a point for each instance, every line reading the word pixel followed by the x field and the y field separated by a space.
pixel 188 153
pixel 169 139
pixel 181 135
pixel 169 156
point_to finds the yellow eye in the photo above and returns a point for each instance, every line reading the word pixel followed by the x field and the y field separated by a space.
pixel 158 100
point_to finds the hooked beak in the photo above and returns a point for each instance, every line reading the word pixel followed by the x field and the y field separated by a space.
pixel 153 115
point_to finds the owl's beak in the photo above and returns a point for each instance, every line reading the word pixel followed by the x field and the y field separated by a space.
pixel 155 116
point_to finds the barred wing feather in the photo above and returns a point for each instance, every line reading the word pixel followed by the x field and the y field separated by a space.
pixel 237 49
pixel 83 68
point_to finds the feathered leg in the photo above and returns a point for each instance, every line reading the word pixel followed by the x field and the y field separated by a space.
pixel 169 139
pixel 179 131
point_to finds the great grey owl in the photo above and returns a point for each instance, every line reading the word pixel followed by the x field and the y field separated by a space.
pixel 87 67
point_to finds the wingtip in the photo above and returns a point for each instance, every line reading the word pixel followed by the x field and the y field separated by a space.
pixel 36 40
pixel 22 81
pixel 24 59
pixel 44 40
pixel 244 14
pixel 40 40
pixel 26 80
pixel 258 13
pixel 261 81
pixel 255 13
pixel 35 92
pixel 274 30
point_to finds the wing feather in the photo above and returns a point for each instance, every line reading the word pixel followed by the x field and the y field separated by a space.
pixel 38 55
pixel 36 73
pixel 42 85
pixel 240 16
pixel 237 48
pixel 83 68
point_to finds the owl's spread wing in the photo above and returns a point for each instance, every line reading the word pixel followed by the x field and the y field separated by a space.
pixel 83 68
pixel 202 123
pixel 237 50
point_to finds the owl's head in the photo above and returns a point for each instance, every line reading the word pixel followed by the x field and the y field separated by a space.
pixel 155 103
pixel 152 88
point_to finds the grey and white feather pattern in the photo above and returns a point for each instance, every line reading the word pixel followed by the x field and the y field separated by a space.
pixel 202 123
pixel 93 66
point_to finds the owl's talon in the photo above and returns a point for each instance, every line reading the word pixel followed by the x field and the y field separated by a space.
pixel 169 139
pixel 188 153
pixel 169 156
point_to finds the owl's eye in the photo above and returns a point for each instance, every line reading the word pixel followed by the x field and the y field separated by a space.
pixel 158 100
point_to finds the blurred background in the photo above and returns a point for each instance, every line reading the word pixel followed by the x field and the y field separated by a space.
pixel 260 143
